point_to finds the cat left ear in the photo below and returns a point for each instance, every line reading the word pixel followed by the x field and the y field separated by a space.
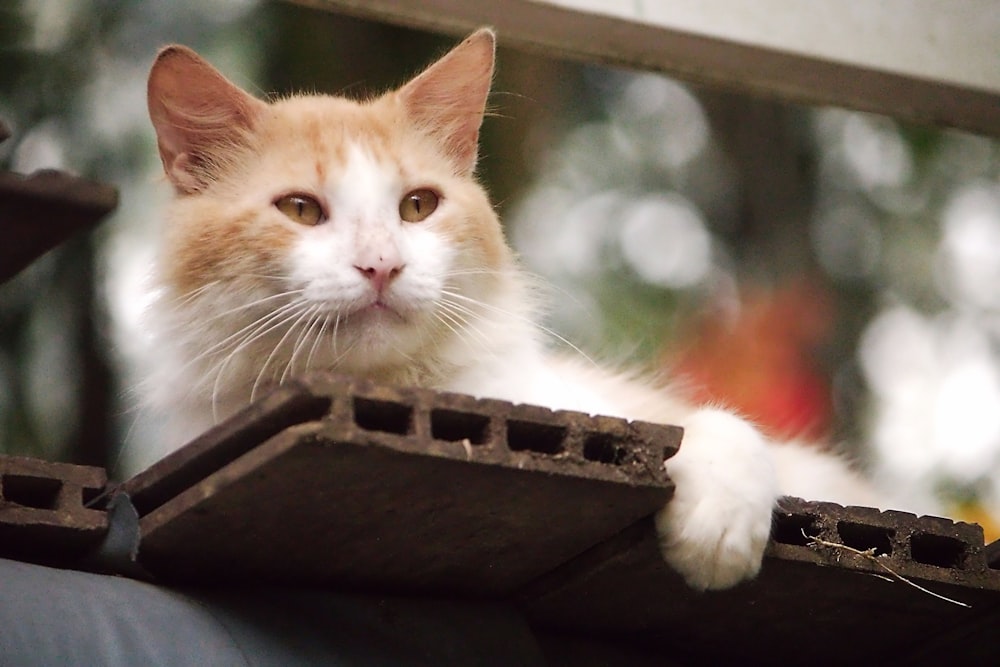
pixel 448 99
pixel 199 116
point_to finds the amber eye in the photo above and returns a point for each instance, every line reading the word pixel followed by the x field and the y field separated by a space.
pixel 416 205
pixel 302 209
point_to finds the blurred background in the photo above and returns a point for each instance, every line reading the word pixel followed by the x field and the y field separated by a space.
pixel 833 275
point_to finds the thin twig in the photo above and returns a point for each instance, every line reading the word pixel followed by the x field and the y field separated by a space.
pixel 870 555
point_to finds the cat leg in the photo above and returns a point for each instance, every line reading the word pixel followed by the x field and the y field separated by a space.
pixel 715 528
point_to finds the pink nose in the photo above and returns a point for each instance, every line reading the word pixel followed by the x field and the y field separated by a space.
pixel 381 271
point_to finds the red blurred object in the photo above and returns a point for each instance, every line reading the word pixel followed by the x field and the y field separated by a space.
pixel 757 357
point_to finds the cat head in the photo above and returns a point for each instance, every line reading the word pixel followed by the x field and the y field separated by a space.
pixel 317 217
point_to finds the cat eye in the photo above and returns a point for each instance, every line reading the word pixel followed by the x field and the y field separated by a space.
pixel 302 209
pixel 416 205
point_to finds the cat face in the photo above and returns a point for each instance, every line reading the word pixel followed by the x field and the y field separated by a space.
pixel 320 231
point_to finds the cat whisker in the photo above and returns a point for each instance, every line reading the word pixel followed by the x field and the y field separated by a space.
pixel 462 330
pixel 444 320
pixel 459 315
pixel 250 334
pixel 347 351
pixel 336 327
pixel 521 318
pixel 472 272
pixel 265 276
pixel 533 281
pixel 548 289
pixel 305 320
pixel 244 331
pixel 301 315
pixel 324 323
pixel 195 293
pixel 409 358
pixel 192 295
pixel 253 304
pixel 313 315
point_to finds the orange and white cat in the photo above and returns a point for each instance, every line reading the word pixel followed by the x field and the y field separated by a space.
pixel 317 232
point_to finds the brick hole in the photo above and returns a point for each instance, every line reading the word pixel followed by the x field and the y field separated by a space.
pixel 789 528
pixel 36 492
pixel 455 426
pixel 90 495
pixel 937 550
pixel 863 537
pixel 384 416
pixel 534 437
pixel 604 448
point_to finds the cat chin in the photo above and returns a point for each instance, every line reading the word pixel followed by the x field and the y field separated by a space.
pixel 374 336
pixel 377 316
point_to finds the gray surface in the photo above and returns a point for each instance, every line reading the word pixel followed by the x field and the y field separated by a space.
pixel 51 617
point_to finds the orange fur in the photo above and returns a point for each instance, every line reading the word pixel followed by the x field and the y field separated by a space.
pixel 230 157
pixel 251 292
pixel 222 229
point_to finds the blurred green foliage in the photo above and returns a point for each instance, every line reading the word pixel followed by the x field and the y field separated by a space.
pixel 71 87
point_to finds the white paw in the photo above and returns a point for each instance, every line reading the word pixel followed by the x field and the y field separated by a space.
pixel 716 527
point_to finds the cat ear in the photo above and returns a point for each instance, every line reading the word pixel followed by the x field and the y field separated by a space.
pixel 198 114
pixel 449 98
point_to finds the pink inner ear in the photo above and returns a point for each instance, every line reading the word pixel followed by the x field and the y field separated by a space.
pixel 449 98
pixel 197 113
pixel 181 172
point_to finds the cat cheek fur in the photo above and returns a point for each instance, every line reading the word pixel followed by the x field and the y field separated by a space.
pixel 207 241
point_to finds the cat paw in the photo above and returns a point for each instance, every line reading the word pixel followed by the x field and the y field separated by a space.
pixel 715 528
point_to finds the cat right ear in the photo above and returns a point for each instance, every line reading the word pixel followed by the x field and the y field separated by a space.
pixel 199 116
pixel 448 99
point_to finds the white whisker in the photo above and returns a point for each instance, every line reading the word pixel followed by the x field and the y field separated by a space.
pixel 194 294
pixel 248 335
pixel 461 329
pixel 520 318
pixel 472 272
pixel 274 351
pixel 244 331
pixel 253 304
pixel 324 322
pixel 336 327
pixel 346 352
pixel 460 315
pixel 312 315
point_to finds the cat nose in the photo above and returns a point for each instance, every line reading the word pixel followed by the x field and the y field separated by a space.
pixel 380 270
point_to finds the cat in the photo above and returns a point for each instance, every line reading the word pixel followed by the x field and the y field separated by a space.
pixel 317 232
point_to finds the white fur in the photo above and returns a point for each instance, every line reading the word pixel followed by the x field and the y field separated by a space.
pixel 805 471
pixel 716 527
pixel 364 203
pixel 445 322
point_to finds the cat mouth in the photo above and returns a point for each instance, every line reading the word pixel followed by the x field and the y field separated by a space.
pixel 381 310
